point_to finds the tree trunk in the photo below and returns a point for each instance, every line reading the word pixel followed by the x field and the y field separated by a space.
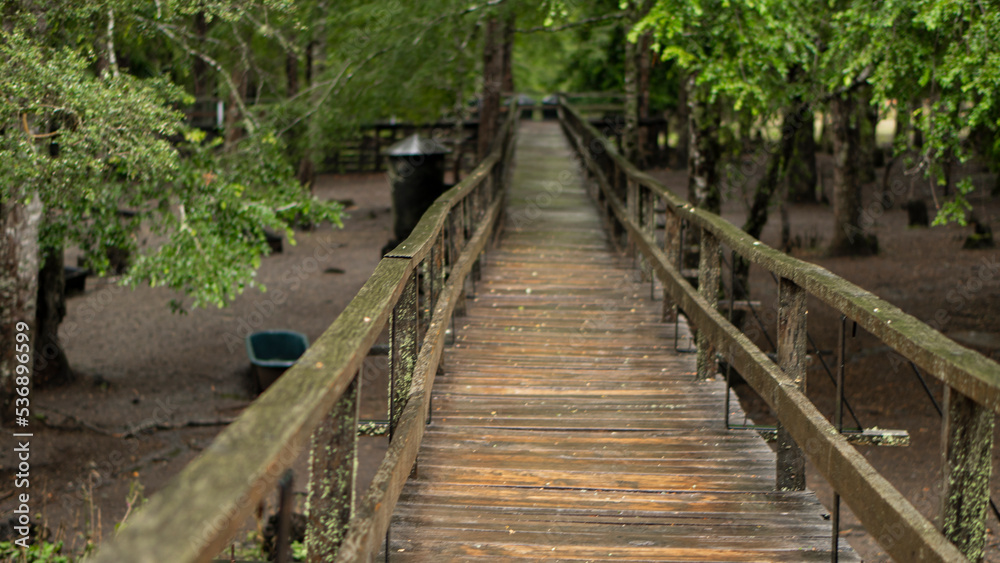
pixel 315 65
pixel 291 73
pixel 233 129
pixel 200 71
pixel 508 53
pixel 867 121
pixel 489 109
pixel 637 63
pixel 801 164
pixel 848 237
pixel 18 287
pixel 904 125
pixel 918 133
pixel 630 137
pixel 51 364
pixel 680 154
pixel 703 128
pixel 644 61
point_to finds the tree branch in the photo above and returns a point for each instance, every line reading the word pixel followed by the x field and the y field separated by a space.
pixel 240 103
pixel 596 19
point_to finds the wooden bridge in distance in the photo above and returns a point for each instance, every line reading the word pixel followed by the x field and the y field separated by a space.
pixel 550 415
pixel 566 427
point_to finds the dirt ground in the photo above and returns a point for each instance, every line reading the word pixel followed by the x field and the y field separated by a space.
pixel 142 369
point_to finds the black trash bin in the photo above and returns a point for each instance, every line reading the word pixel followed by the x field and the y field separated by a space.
pixel 416 172
pixel 550 107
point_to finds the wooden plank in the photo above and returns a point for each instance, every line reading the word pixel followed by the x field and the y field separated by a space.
pixel 888 516
pixel 372 519
pixel 555 442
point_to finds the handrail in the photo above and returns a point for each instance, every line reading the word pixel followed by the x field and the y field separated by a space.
pixel 198 512
pixel 628 196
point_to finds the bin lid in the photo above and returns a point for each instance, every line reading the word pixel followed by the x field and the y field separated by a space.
pixel 416 144
pixel 521 100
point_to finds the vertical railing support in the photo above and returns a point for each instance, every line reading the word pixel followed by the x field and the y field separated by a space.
pixel 403 346
pixel 286 504
pixel 647 205
pixel 332 463
pixel 791 467
pixel 967 440
pixel 672 249
pixel 709 274
pixel 633 207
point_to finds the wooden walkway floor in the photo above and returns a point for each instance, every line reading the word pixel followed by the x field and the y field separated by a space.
pixel 567 428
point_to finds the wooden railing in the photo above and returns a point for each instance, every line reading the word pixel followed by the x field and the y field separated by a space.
pixel 631 201
pixel 315 403
pixel 364 153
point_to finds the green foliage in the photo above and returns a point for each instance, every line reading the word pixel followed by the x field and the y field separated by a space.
pixel 956 208
pixel 939 50
pixel 39 552
pixel 742 50
pixel 88 144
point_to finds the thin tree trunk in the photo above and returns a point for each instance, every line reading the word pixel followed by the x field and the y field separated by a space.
pixel 801 164
pixel 234 131
pixel 200 71
pixel 848 236
pixel 630 136
pixel 703 155
pixel 918 133
pixel 19 225
pixel 867 121
pixel 643 61
pixel 680 154
pixel 489 110
pixel 508 53
pixel 51 365
pixel 315 66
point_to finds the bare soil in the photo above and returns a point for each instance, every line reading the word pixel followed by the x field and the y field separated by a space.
pixel 141 368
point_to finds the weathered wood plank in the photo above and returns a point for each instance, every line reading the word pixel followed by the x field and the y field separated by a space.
pixel 596 443
pixel 372 519
pixel 888 516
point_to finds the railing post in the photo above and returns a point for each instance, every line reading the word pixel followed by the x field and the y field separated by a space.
pixel 709 274
pixel 672 249
pixel 332 476
pixel 632 207
pixel 647 204
pixel 967 441
pixel 403 335
pixel 791 466
pixel 457 237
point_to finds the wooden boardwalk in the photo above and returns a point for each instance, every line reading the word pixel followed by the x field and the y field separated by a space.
pixel 565 427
